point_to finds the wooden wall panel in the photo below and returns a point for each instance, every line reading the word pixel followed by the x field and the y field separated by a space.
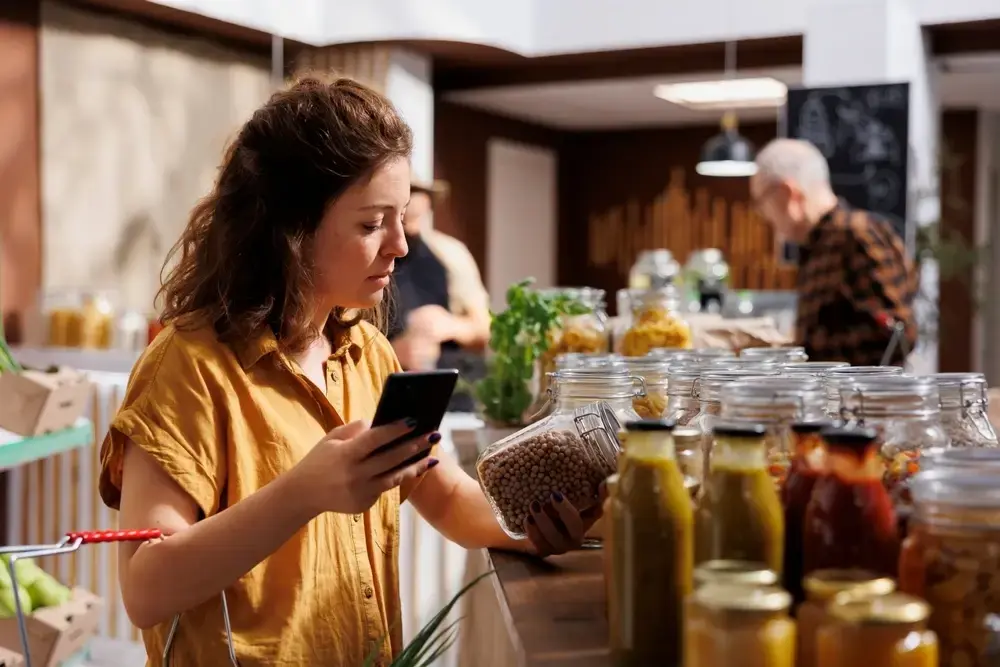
pixel 20 209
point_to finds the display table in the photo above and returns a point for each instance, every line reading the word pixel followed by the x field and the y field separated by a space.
pixel 545 613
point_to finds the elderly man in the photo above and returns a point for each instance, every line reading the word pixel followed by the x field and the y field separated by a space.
pixel 855 280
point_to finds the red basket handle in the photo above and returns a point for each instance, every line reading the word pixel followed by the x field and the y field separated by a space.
pixel 97 536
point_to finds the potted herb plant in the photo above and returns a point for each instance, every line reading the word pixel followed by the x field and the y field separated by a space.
pixel 518 337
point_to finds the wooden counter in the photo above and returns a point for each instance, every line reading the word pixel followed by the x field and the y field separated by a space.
pixel 554 610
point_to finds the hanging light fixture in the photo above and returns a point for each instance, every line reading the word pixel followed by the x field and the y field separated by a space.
pixel 727 153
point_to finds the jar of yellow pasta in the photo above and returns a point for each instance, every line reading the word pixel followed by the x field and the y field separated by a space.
pixel 583 334
pixel 656 322
pixel 653 371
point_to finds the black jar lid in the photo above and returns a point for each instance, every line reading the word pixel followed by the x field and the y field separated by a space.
pixel 739 430
pixel 650 425
pixel 849 436
pixel 804 428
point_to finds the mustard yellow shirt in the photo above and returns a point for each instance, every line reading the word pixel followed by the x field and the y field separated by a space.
pixel 223 422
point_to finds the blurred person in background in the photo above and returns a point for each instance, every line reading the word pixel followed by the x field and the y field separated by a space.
pixel 440 315
pixel 855 280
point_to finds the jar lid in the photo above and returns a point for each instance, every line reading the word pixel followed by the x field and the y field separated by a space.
pixel 711 379
pixel 956 486
pixel 650 425
pixel 961 389
pixel 741 572
pixel 818 368
pixel 890 609
pixel 826 584
pixel 867 370
pixel 668 353
pixel 984 459
pixel 654 366
pixel 703 354
pixel 736 597
pixel 588 360
pixel 805 428
pixel 739 430
pixel 736 364
pixel 780 352
pixel 802 390
pixel 900 393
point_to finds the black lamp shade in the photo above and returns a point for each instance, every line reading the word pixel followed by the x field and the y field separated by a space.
pixel 727 154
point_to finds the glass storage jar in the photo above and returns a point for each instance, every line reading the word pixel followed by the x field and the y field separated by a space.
pixel 821 587
pixel 708 390
pixel 970 459
pixel 687 442
pixel 834 378
pixel 964 409
pixel 656 322
pixel 788 354
pixel 877 630
pixel 951 558
pixel 905 413
pixel 653 372
pixel 701 355
pixel 818 369
pixel 776 402
pixel 739 364
pixel 734 625
pixel 584 333
pixel 570 452
pixel 682 404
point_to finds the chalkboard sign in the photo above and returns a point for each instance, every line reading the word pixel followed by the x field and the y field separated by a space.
pixel 863 131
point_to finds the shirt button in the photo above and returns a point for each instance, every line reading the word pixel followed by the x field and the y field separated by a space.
pixel 357 518
pixel 368 592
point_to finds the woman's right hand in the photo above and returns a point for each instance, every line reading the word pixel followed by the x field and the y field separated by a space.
pixel 342 473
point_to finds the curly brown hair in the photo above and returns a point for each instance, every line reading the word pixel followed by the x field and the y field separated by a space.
pixel 243 260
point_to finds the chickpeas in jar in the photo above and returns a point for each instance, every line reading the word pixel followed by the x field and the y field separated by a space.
pixel 656 322
pixel 951 558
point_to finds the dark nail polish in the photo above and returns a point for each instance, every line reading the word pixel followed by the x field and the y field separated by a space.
pixel 432 463
pixel 411 422
pixel 434 438
pixel 556 496
pixel 536 507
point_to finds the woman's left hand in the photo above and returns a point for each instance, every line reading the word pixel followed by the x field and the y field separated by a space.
pixel 556 526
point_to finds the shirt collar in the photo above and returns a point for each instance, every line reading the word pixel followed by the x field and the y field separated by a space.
pixel 817 229
pixel 349 341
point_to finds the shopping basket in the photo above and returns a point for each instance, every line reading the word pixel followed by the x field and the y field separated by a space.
pixel 72 542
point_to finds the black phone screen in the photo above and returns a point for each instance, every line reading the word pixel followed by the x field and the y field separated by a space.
pixel 419 395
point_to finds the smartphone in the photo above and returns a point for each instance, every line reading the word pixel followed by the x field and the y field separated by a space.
pixel 419 395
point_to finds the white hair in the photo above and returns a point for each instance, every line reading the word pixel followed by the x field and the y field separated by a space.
pixel 794 160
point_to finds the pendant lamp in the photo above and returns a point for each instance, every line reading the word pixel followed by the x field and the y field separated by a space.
pixel 727 153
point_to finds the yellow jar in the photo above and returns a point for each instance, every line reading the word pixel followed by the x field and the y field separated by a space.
pixel 823 586
pixel 744 626
pixel 886 630
pixel 656 323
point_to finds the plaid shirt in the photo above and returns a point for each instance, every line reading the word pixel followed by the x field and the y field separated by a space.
pixel 853 275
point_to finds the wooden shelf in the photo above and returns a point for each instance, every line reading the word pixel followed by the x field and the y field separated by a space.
pixel 16 450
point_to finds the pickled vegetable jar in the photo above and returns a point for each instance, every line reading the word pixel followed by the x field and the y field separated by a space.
pixel 777 402
pixel 653 371
pixel 836 377
pixel 653 550
pixel 964 409
pixel 790 354
pixel 742 626
pixel 656 322
pixel 850 522
pixel 951 558
pixel 739 516
pixel 879 630
pixel 808 464
pixel 906 415
pixel 821 588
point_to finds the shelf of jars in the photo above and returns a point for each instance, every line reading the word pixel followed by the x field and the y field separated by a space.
pixel 761 508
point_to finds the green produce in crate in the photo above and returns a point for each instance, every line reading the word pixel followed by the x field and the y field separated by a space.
pixel 7 603
pixel 45 591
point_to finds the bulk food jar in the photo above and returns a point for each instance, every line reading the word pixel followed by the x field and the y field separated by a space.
pixel 569 452
pixel 877 630
pixel 778 403
pixel 744 626
pixel 656 322
pixel 842 376
pixel 700 354
pixel 585 333
pixel 818 369
pixel 708 390
pixel 964 409
pixel 789 354
pixel 906 415
pixel 951 558
pixel 682 405
pixel 653 372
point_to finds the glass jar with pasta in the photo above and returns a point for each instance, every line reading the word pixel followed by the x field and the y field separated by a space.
pixel 836 377
pixel 656 322
pixel 776 402
pixel 653 371
pixel 964 409
pixel 951 558
pixel 585 333
pixel 906 415
pixel 877 630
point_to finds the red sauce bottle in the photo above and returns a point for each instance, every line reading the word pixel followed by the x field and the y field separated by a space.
pixel 850 522
pixel 807 465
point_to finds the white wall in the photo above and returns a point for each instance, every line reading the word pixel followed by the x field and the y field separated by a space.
pixel 542 27
pixel 521 216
